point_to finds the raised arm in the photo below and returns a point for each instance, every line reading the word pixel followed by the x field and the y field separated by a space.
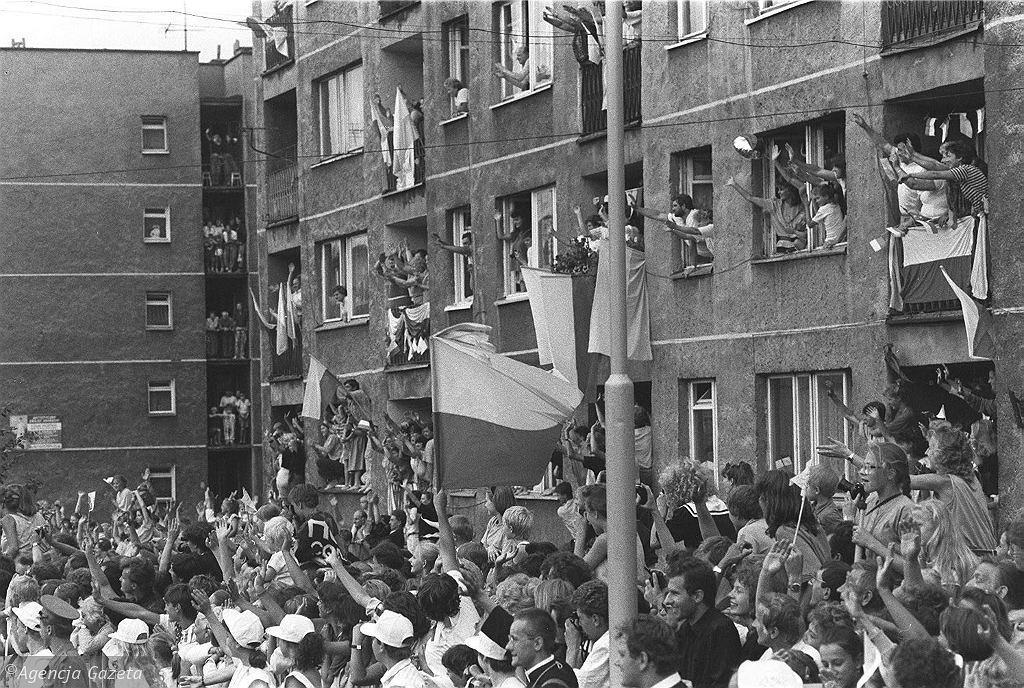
pixel 908 624
pixel 446 539
pixel 128 609
pixel 747 195
pixel 345 578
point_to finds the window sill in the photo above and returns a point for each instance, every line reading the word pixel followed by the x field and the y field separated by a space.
pixel 456 118
pixel 771 12
pixel 156 241
pixel 689 39
pixel 359 321
pixel 839 250
pixel 395 192
pixel 522 96
pixel 919 318
pixel 693 271
pixel 162 414
pixel 156 152
pixel 464 306
pixel 513 298
pixel 159 328
pixel 402 367
pixel 336 157
pixel 284 377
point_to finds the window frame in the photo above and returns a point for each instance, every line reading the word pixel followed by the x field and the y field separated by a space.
pixel 154 126
pixel 340 107
pixel 532 254
pixel 813 151
pixel 153 300
pixel 692 407
pixel 152 214
pixel 457 218
pixel 506 33
pixel 166 473
pixel 813 411
pixel 457 51
pixel 161 386
pixel 343 250
pixel 687 180
pixel 684 28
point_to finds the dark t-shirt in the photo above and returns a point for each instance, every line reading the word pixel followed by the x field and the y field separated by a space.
pixel 294 461
pixel 316 537
pixel 684 525
pixel 709 650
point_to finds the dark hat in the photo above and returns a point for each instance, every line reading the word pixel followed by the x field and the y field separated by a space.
pixel 57 608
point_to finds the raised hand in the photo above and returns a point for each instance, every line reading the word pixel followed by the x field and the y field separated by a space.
pixel 795 565
pixel 776 557
pixel 736 553
pixel 201 602
pixel 858 119
pixel 910 539
pixel 221 531
pixel 731 181
pixel 884 567
pixel 834 449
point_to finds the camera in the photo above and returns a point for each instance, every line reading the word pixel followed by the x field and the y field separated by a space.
pixel 856 490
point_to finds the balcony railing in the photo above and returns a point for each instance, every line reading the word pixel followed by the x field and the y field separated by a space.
pixel 393 183
pixel 389 7
pixel 288 364
pixel 409 333
pixel 595 113
pixel 282 185
pixel 228 343
pixel 273 55
pixel 910 21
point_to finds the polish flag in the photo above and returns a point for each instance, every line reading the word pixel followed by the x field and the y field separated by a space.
pixel 977 322
pixel 321 386
pixel 496 420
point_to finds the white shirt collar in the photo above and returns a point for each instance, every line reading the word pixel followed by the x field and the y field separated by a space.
pixel 393 671
pixel 538 665
pixel 668 681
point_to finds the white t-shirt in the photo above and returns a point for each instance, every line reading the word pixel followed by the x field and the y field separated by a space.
pixel 445 635
pixel 462 100
pixel 831 217
pixel 278 564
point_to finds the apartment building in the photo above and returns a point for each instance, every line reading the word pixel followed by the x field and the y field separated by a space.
pixel 114 161
pixel 747 343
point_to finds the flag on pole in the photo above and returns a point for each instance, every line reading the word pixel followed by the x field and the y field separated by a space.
pixel 259 311
pixel 278 35
pixel 496 420
pixel 282 320
pixel 92 501
pixel 553 320
pixel 321 386
pixel 977 322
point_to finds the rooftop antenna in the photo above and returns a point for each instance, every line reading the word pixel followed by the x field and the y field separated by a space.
pixel 184 12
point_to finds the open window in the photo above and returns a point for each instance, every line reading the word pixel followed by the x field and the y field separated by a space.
pixel 527 223
pixel 456 39
pixel 156 225
pixel 800 416
pixel 691 18
pixel 524 46
pixel 460 232
pixel 340 111
pixel 344 278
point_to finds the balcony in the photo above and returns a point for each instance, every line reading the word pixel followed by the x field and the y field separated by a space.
pixel 595 115
pixel 288 364
pixel 231 343
pixel 409 335
pixel 282 186
pixel 391 7
pixel 393 184
pixel 908 24
pixel 276 52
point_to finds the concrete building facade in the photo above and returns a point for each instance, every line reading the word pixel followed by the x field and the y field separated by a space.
pixel 105 289
pixel 745 345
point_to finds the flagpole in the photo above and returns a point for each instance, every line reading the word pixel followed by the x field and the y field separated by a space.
pixel 620 465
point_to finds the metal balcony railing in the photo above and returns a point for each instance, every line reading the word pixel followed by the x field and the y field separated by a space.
pixel 288 364
pixel 391 181
pixel 282 185
pixel 389 7
pixel 595 116
pixel 908 21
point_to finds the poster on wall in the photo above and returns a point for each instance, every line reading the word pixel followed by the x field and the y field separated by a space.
pixel 38 432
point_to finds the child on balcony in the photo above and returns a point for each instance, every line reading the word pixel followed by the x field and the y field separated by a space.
pixel 830 216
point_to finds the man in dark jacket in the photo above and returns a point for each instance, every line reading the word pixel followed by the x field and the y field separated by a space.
pixel 531 643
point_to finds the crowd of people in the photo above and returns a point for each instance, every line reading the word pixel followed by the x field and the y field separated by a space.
pixel 230 421
pixel 224 245
pixel 227 333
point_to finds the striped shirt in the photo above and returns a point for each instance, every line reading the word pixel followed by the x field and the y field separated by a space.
pixel 967 195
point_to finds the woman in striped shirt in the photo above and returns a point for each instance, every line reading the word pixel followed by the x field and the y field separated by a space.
pixel 965 172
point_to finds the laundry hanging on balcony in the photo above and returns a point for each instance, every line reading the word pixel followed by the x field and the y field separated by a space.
pixel 404 141
pixel 277 35
pixel 638 316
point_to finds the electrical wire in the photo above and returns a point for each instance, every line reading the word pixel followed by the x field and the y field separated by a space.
pixel 537 137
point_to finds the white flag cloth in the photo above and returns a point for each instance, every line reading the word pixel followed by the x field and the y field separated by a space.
pixel 496 420
pixel 278 35
pixel 553 319
pixel 638 316
pixel 321 387
pixel 282 320
pixel 405 134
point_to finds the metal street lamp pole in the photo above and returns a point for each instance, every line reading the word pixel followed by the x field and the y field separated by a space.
pixel 618 390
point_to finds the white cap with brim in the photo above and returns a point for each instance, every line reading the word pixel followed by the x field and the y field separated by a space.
pixel 390 628
pixel 245 627
pixel 29 614
pixel 769 673
pixel 133 631
pixel 292 629
pixel 487 647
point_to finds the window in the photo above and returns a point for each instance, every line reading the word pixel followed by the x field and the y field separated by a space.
pixel 694 178
pixel 529 223
pixel 345 262
pixel 703 421
pixel 154 135
pixel 341 112
pixel 456 38
pixel 800 416
pixel 161 398
pixel 521 26
pixel 691 17
pixel 768 5
pixel 156 225
pixel 819 144
pixel 461 233
pixel 158 311
pixel 163 480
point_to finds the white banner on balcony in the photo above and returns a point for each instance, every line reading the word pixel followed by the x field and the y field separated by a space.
pixel 404 154
pixel 553 319
pixel 638 315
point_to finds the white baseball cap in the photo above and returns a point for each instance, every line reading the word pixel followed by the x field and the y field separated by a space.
pixel 390 628
pixel 245 627
pixel 292 629
pixel 769 673
pixel 29 613
pixel 134 631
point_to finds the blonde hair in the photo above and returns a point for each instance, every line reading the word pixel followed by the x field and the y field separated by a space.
pixel 276 532
pixel 553 593
pixel 515 593
pixel 519 521
pixel 946 550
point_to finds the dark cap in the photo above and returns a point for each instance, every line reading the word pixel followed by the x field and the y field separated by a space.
pixel 56 608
